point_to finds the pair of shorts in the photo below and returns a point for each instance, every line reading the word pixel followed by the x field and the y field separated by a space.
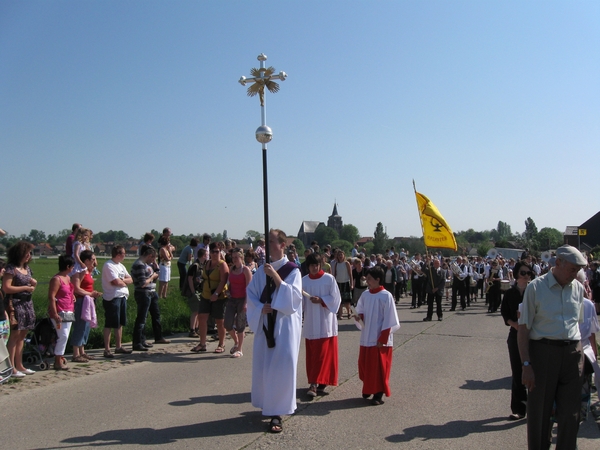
pixel 216 309
pixel 115 312
pixel 164 273
pixel 193 301
pixel 235 314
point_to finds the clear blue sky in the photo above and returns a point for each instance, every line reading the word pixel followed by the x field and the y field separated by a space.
pixel 127 115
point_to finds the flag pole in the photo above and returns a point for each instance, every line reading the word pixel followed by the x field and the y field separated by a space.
pixel 423 231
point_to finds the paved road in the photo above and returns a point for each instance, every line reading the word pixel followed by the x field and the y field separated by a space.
pixel 450 390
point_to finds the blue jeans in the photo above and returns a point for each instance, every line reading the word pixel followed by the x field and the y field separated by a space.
pixel 81 329
pixel 146 302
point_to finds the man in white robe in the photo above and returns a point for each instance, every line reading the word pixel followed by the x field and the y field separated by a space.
pixel 320 326
pixel 274 369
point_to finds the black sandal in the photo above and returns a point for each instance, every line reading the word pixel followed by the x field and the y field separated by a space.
pixel 275 426
pixel 199 348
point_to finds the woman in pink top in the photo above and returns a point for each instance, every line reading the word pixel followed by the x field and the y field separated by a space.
pixel 235 312
pixel 61 300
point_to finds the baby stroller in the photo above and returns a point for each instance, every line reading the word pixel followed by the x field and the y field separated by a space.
pixel 39 344
pixel 5 367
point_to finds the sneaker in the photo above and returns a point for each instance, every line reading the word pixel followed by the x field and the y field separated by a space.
pixel 312 390
pixel 147 344
pixel 140 348
pixel 18 374
pixel 162 341
pixel 28 372
pixel 193 334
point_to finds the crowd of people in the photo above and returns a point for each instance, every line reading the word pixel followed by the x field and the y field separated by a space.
pixel 281 299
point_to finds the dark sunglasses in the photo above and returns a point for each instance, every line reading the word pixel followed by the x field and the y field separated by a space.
pixel 523 273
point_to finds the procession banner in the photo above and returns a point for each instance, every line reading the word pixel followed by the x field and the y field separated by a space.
pixel 436 231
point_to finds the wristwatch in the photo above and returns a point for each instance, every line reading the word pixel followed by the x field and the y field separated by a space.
pixel 526 363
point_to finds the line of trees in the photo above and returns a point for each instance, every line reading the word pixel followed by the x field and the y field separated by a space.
pixel 501 236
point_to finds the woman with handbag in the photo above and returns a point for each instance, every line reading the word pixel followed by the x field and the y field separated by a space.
pixel 212 298
pixel 61 307
pixel 18 284
pixel 83 285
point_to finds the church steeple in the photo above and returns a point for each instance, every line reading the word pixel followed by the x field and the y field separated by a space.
pixel 334 213
pixel 335 220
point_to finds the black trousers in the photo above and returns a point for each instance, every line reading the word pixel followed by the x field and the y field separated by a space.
pixel 146 302
pixel 418 291
pixel 518 392
pixel 458 289
pixel 437 297
pixel 558 372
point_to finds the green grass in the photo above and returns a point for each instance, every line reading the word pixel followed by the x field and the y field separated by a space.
pixel 175 314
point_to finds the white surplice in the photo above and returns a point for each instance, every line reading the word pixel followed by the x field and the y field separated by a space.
pixel 380 314
pixel 321 322
pixel 274 369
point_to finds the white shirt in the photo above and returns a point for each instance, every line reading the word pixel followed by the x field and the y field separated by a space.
pixel 380 314
pixel 111 271
pixel 320 321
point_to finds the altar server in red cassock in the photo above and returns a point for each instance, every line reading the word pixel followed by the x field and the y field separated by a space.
pixel 377 321
pixel 320 303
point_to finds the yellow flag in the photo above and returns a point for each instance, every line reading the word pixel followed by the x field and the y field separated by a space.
pixel 436 232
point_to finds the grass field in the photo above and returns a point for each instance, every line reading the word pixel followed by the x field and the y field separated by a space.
pixel 175 314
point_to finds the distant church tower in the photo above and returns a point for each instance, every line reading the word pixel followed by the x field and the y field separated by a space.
pixel 335 220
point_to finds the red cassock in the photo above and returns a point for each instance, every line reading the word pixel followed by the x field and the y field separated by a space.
pixel 374 368
pixel 322 360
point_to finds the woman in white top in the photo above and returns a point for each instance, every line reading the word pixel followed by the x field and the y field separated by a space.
pixel 342 272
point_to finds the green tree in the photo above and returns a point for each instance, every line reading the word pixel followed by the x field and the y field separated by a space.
pixel 343 245
pixel 483 248
pixel 349 233
pixel 531 230
pixel 117 237
pixel 299 247
pixel 255 235
pixel 504 230
pixel 224 235
pixel 325 235
pixel 368 248
pixel 548 238
pixel 380 239
pixel 36 236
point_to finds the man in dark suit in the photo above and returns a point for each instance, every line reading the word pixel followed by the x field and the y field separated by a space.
pixel 434 286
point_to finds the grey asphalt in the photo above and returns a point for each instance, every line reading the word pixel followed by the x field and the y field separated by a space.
pixel 450 390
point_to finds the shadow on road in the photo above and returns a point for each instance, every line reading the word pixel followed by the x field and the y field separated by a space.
pixel 491 385
pixel 248 423
pixel 232 399
pixel 453 430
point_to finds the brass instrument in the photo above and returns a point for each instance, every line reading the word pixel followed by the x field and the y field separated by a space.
pixel 456 270
pixel 491 283
pixel 415 266
pixel 546 256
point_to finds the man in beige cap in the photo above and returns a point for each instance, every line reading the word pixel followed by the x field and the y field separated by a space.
pixel 550 349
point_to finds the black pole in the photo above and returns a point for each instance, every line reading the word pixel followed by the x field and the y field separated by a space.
pixel 270 330
pixel 266 202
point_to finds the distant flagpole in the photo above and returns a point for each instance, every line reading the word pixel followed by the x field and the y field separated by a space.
pixel 423 231
pixel 420 217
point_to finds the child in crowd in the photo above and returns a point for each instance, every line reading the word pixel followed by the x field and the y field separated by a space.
pixel 377 319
